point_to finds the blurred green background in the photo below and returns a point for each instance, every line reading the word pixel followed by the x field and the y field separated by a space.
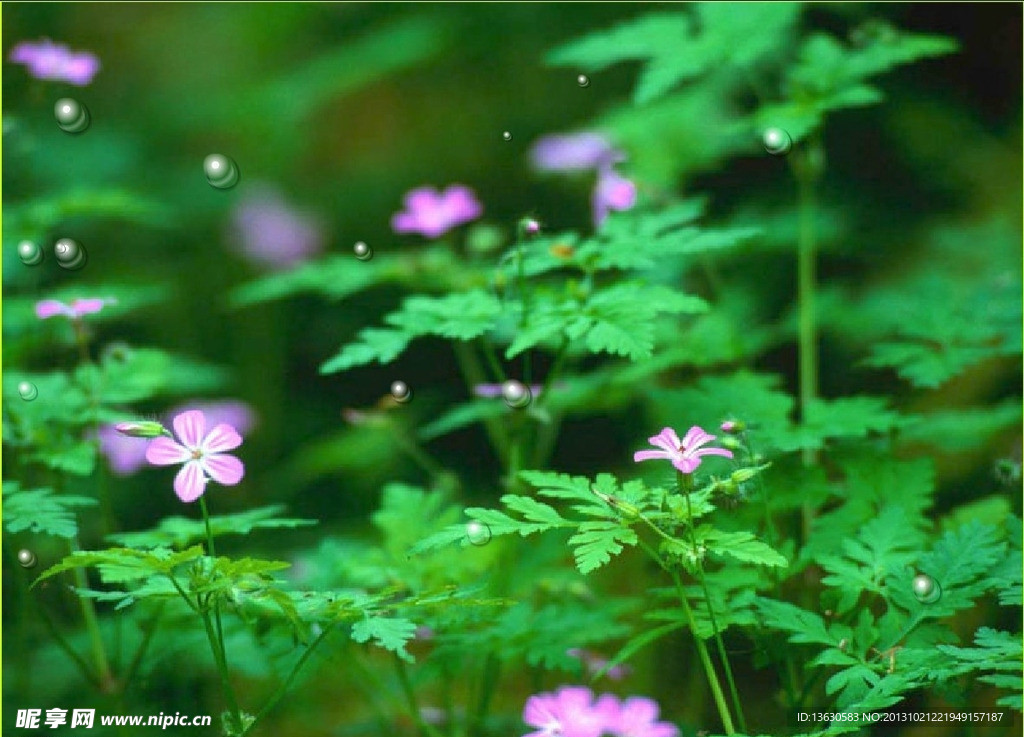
pixel 345 107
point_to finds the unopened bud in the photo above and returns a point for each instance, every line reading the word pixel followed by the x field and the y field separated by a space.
pixel 742 474
pixel 141 429
pixel 733 427
pixel 731 443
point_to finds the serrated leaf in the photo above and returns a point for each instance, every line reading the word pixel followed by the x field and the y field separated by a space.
pixel 179 532
pixel 596 543
pixel 741 545
pixel 390 633
pixel 382 345
pixel 41 511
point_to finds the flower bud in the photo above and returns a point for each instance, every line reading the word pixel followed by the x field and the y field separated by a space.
pixel 742 474
pixel 731 443
pixel 733 427
pixel 141 429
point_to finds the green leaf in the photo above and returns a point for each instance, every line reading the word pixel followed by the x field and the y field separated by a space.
pixel 374 344
pixel 180 532
pixel 390 633
pixel 596 543
pixel 124 564
pixel 41 511
pixel 804 627
pixel 334 277
pixel 962 430
pixel 462 415
pixel 846 417
pixel 457 316
pixel 741 545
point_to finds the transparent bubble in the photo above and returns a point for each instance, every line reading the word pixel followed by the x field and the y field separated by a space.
pixel 776 141
pixel 583 80
pixel 30 253
pixel 516 394
pixel 400 391
pixel 507 135
pixel 221 171
pixel 72 116
pixel 27 390
pixel 477 532
pixel 362 251
pixel 926 589
pixel 70 254
pixel 26 557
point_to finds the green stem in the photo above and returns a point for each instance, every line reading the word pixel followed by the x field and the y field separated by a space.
pixel 489 679
pixel 410 697
pixel 286 684
pixel 92 626
pixel 686 485
pixel 806 283
pixel 473 374
pixel 147 638
pixel 103 491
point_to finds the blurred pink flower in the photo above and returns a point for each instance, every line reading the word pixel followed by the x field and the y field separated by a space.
pixel 432 214
pixel 686 454
pixel 48 308
pixel 47 60
pixel 582 152
pixel 572 712
pixel 203 454
pixel 272 233
pixel 637 718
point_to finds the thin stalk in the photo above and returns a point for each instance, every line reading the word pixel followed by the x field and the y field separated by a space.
pixel 147 638
pixel 216 606
pixel 410 697
pixel 686 484
pixel 222 668
pixel 286 684
pixel 103 491
pixel 473 374
pixel 489 679
pixel 492 359
pixel 92 626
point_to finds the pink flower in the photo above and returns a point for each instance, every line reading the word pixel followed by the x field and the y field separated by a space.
pixel 572 712
pixel 637 718
pixel 201 452
pixel 569 713
pixel 127 454
pixel 612 192
pixel 271 232
pixel 47 60
pixel 49 307
pixel 433 213
pixel 684 455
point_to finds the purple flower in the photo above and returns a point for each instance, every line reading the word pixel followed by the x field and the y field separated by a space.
pixel 126 455
pixel 574 152
pixel 572 712
pixel 432 213
pixel 203 454
pixel 272 233
pixel 686 454
pixel 47 60
pixel 583 152
pixel 48 308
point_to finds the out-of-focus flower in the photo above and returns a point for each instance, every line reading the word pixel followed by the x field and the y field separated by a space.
pixel 569 712
pixel 203 454
pixel 126 455
pixel 48 308
pixel 490 391
pixel 272 233
pixel 638 718
pixel 222 411
pixel 685 454
pixel 584 152
pixel 613 192
pixel 594 664
pixel 574 152
pixel 47 60
pixel 572 712
pixel 432 214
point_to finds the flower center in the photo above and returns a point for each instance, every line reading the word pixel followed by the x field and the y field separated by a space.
pixel 197 454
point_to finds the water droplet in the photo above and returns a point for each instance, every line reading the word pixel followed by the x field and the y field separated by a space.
pixel 400 391
pixel 926 589
pixel 72 116
pixel 28 391
pixel 507 135
pixel 516 394
pixel 362 251
pixel 30 253
pixel 221 171
pixel 26 557
pixel 777 141
pixel 478 533
pixel 583 80
pixel 70 254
